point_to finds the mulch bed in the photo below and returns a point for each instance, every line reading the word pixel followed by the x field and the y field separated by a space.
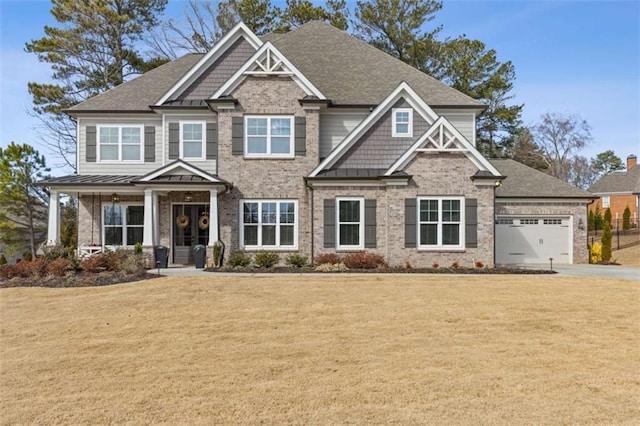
pixel 310 270
pixel 81 279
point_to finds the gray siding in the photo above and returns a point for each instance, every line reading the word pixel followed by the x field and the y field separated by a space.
pixel 334 127
pixel 376 149
pixel 463 121
pixel 219 72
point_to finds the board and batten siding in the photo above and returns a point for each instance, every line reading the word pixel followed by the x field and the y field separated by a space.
pixel 209 166
pixel 335 126
pixel 463 121
pixel 115 168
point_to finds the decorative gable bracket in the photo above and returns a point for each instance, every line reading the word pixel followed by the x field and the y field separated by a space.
pixel 439 139
pixel 269 64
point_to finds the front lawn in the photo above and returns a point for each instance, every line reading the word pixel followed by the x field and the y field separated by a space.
pixel 323 350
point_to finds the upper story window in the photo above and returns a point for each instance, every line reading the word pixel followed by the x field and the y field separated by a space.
pixel 441 222
pixel 120 143
pixel 402 122
pixel 268 136
pixel 606 201
pixel 350 223
pixel 192 140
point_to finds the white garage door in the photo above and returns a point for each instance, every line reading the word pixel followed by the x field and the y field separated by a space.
pixel 533 240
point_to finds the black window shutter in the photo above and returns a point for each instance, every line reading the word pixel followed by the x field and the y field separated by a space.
pixel 174 141
pixel 91 144
pixel 370 223
pixel 410 222
pixel 301 136
pixel 237 135
pixel 149 144
pixel 212 141
pixel 329 223
pixel 471 222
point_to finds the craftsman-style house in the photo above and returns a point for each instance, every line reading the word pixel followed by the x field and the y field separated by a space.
pixel 307 142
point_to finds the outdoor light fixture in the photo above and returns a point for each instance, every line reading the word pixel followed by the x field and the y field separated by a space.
pixel 581 224
pixel 498 183
pixel 115 198
pixel 188 197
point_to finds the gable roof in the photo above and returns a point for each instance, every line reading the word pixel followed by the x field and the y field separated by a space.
pixel 526 182
pixel 351 72
pixel 343 68
pixel 628 181
pixel 195 174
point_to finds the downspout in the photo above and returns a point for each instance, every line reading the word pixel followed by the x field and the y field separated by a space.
pixel 310 187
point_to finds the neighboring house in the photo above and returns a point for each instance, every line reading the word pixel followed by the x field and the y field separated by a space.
pixel 16 251
pixel 309 142
pixel 619 190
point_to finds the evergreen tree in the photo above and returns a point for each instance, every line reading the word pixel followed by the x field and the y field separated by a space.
pixel 626 219
pixel 606 242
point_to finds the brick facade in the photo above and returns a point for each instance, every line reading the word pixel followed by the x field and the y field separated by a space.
pixel 617 204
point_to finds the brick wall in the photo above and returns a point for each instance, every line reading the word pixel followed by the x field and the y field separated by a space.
pixel 617 204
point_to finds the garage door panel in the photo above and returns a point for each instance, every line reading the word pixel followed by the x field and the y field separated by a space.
pixel 532 240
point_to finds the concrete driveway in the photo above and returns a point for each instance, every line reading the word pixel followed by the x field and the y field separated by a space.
pixel 606 271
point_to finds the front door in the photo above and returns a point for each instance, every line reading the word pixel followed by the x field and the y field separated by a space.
pixel 188 230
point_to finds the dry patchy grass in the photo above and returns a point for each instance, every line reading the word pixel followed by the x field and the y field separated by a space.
pixel 324 350
pixel 628 256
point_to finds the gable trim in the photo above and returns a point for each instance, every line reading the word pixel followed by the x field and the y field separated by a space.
pixel 175 165
pixel 467 148
pixel 250 66
pixel 403 90
pixel 240 30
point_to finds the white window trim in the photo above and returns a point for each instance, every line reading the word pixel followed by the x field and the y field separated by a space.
pixel 292 152
pixel 606 202
pixel 203 149
pixel 278 246
pixel 99 128
pixel 394 133
pixel 123 226
pixel 439 246
pixel 360 246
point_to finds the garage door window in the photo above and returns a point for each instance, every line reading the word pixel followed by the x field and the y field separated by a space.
pixel 552 221
pixel 441 223
pixel 528 221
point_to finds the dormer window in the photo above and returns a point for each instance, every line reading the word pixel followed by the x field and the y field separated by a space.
pixel 402 122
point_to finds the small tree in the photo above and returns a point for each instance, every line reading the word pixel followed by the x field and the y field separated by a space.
pixel 597 219
pixel 591 221
pixel 607 217
pixel 626 219
pixel 69 224
pixel 606 241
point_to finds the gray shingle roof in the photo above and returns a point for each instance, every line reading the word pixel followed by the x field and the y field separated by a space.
pixel 142 91
pixel 628 181
pixel 525 182
pixel 345 69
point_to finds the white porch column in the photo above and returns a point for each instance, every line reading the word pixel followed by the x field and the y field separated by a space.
pixel 53 229
pixel 156 222
pixel 213 217
pixel 147 236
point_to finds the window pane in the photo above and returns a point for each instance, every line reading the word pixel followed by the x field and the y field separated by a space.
pixel 108 152
pixel 269 213
pixel 450 235
pixel 287 213
pixel 256 126
pixel 268 235
pixel 112 215
pixel 135 215
pixel 134 235
pixel 402 117
pixel 451 210
pixel 251 213
pixel 109 135
pixel 280 126
pixel 428 234
pixel 402 128
pixel 428 210
pixel 350 211
pixel 113 236
pixel 349 235
pixel 131 135
pixel 250 235
pixel 192 149
pixel 192 131
pixel 280 145
pixel 130 152
pixel 257 145
pixel 286 235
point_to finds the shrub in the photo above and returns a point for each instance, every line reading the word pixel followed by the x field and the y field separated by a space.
pixel 591 221
pixel 330 258
pixel 596 253
pixel 479 265
pixel 364 260
pixel 297 260
pixel 24 269
pixel 106 261
pixel 137 248
pixel 27 256
pixel 598 219
pixel 56 252
pixel 58 267
pixel 435 265
pixel 217 252
pixel 133 265
pixel 3 260
pixel 606 242
pixel 455 265
pixel 331 267
pixel 408 265
pixel 239 258
pixel 266 259
pixel 626 219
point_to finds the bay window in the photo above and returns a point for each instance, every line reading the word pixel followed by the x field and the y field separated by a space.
pixel 269 136
pixel 441 222
pixel 268 223
pixel 120 143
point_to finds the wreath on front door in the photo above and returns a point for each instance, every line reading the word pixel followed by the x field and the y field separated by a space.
pixel 182 220
pixel 203 223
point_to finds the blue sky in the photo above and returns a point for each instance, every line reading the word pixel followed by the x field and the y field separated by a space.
pixel 570 57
